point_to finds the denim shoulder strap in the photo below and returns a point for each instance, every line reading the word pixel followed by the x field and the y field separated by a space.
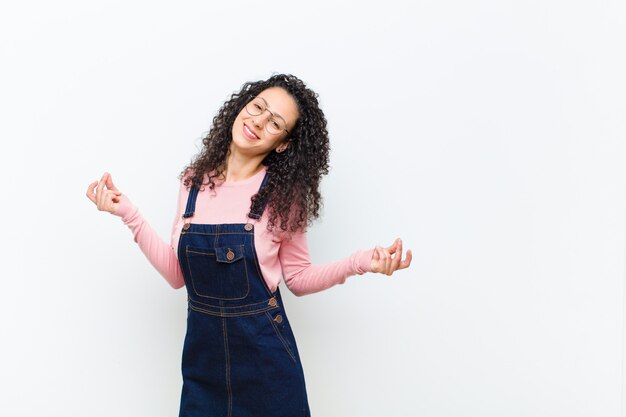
pixel 257 214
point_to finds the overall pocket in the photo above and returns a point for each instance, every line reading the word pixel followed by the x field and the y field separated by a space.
pixel 220 274
pixel 281 333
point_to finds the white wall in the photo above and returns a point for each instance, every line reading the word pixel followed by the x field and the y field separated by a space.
pixel 489 135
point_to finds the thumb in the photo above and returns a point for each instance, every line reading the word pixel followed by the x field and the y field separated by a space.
pixel 394 246
pixel 109 183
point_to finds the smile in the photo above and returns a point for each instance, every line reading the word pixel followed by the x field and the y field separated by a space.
pixel 249 133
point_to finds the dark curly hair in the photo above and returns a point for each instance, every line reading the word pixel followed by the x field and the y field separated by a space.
pixel 293 176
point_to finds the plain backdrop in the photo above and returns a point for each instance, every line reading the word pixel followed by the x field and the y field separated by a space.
pixel 489 135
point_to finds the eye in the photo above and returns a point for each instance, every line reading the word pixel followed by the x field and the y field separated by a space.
pixel 257 106
pixel 275 124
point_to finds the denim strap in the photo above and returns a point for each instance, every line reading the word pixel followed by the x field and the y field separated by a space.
pixel 191 202
pixel 257 215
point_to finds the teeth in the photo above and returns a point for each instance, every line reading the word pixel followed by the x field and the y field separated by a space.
pixel 251 132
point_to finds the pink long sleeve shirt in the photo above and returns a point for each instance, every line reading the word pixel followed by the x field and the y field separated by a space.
pixel 279 256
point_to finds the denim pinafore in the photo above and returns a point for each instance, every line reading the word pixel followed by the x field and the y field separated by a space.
pixel 239 356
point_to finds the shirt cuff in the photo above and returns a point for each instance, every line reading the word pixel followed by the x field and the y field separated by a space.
pixel 364 261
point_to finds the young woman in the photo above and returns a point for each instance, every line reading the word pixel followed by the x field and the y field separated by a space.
pixel 244 204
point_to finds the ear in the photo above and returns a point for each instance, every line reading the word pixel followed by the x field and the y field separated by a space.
pixel 282 147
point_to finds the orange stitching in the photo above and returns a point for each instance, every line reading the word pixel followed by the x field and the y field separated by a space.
pixel 217 234
pixel 201 253
pixel 230 393
pixel 260 303
pixel 245 268
pixel 243 313
pixel 258 267
pixel 280 336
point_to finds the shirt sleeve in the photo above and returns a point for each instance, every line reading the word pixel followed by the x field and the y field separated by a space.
pixel 302 277
pixel 161 255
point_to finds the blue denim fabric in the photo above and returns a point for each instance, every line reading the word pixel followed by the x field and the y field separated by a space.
pixel 239 357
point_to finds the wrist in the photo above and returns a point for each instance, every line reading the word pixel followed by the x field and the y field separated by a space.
pixel 124 208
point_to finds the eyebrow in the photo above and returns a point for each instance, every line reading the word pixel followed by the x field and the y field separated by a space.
pixel 275 114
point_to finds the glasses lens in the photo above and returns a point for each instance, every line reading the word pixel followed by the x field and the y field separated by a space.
pixel 275 126
pixel 255 107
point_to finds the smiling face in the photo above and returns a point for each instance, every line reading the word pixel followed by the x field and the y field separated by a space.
pixel 250 136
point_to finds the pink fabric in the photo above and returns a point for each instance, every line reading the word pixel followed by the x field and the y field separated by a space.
pixel 278 255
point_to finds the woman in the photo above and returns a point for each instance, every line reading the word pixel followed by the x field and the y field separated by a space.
pixel 235 239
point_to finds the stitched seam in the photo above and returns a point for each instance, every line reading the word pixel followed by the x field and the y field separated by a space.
pixel 245 268
pixel 258 266
pixel 201 253
pixel 280 336
pixel 215 233
pixel 191 274
pixel 260 304
pixel 230 393
pixel 209 296
pixel 240 249
pixel 180 242
pixel 245 313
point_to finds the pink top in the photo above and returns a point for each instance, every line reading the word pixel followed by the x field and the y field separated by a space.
pixel 278 255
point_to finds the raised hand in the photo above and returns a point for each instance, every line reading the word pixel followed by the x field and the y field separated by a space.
pixel 388 260
pixel 106 199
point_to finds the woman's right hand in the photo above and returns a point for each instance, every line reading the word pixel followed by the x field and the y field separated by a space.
pixel 105 199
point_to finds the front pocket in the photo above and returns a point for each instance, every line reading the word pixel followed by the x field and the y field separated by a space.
pixel 220 274
pixel 279 331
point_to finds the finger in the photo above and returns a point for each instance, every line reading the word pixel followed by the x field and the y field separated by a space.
pixel 387 257
pixel 380 263
pixel 100 189
pixel 90 193
pixel 393 247
pixel 102 196
pixel 397 257
pixel 407 261
pixel 375 260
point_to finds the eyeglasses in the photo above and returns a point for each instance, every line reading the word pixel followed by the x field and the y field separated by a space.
pixel 276 124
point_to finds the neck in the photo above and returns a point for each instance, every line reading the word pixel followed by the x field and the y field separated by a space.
pixel 239 167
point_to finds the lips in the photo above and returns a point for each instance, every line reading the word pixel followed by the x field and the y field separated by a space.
pixel 249 133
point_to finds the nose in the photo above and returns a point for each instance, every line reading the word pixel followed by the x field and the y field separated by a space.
pixel 260 119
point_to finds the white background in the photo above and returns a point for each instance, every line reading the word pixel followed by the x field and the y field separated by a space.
pixel 489 135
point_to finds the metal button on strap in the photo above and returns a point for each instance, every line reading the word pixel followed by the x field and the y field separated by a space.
pixel 272 302
pixel 230 255
pixel 248 227
pixel 278 319
pixel 186 226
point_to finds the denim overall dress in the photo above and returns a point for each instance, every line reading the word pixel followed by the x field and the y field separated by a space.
pixel 239 356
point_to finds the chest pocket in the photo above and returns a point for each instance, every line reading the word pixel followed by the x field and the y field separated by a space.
pixel 219 273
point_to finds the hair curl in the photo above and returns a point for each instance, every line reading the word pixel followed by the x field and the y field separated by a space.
pixel 293 176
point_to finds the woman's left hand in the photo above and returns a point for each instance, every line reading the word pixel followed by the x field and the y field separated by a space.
pixel 388 260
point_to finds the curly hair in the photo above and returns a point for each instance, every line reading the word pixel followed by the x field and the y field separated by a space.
pixel 291 191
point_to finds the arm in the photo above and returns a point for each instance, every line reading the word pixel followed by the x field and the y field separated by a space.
pixel 161 255
pixel 302 277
